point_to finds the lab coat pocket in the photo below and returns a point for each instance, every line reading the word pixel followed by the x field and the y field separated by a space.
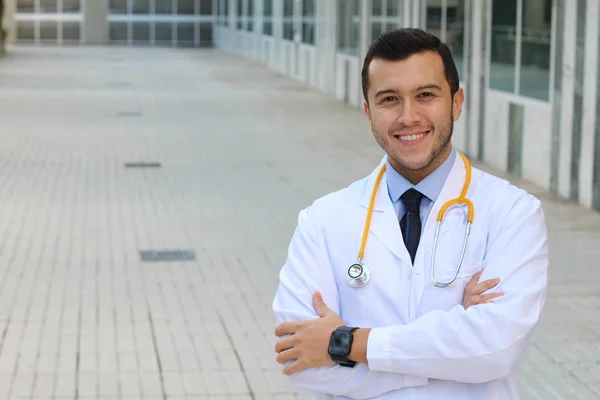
pixel 445 298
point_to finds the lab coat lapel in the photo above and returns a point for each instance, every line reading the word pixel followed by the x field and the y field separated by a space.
pixel 384 221
pixel 451 190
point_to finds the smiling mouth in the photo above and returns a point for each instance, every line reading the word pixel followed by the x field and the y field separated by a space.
pixel 413 137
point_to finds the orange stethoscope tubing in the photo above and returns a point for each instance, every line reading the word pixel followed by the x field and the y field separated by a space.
pixel 462 199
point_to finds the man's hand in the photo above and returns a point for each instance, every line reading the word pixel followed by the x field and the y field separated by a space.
pixel 473 291
pixel 309 342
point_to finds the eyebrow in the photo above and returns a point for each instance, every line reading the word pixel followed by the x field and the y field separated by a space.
pixel 393 91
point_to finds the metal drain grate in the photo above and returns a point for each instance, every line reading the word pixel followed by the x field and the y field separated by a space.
pixel 167 255
pixel 142 165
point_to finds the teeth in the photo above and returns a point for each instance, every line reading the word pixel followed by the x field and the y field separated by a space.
pixel 410 138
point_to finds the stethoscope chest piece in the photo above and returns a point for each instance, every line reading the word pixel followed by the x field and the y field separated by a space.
pixel 358 275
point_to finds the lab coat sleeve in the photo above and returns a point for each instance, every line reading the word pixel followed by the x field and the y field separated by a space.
pixel 484 342
pixel 303 273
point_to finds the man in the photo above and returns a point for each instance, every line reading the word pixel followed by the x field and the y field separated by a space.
pixel 399 336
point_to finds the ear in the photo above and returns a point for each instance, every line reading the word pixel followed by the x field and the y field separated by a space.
pixel 458 100
pixel 367 110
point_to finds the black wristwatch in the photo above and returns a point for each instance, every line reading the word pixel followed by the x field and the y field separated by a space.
pixel 340 345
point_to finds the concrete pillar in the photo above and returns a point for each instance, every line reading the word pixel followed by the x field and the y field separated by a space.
pixel 10 8
pixel 95 17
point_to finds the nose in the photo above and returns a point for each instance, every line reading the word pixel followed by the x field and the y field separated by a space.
pixel 409 113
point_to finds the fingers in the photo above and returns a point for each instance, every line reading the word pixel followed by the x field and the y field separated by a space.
pixel 485 285
pixel 475 278
pixel 284 344
pixel 287 328
pixel 294 368
pixel 287 355
pixel 320 306
pixel 488 298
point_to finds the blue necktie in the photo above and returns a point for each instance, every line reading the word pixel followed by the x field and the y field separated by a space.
pixel 410 224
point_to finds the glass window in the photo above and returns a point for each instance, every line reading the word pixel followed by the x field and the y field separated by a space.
pixel 48 31
pixel 71 31
pixel 163 7
pixel 534 71
pixel 141 32
pixel 250 17
pixel 377 8
pixel 386 15
pixel 240 14
pixel 392 8
pixel 308 21
pixel 163 32
pixel 504 44
pixel 206 32
pixel 48 6
pixel 185 34
pixel 141 6
pixel 268 17
pixel 71 6
pixel 25 6
pixel 206 7
pixel 535 38
pixel 26 30
pixel 348 26
pixel 118 32
pixel 449 25
pixel 288 19
pixel 186 7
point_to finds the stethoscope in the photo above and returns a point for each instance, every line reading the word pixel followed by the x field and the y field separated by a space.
pixel 359 274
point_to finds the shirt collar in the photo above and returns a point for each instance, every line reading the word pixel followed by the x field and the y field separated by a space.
pixel 431 186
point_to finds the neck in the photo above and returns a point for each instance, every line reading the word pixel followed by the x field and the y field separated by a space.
pixel 415 176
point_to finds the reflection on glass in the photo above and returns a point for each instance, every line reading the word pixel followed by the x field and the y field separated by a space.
pixel 118 31
pixel 141 32
pixel 240 11
pixel 206 7
pixel 308 21
pixel 535 49
pixel 288 19
pixel 25 6
pixel 377 8
pixel 185 34
pixel 392 7
pixel 455 35
pixel 348 26
pixel 163 7
pixel 268 17
pixel 163 32
pixel 186 7
pixel 26 30
pixel 504 21
pixel 71 31
pixel 49 6
pixel 250 18
pixel 71 6
pixel 141 6
pixel 376 30
pixel 48 31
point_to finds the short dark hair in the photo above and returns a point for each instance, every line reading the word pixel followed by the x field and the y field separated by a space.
pixel 399 44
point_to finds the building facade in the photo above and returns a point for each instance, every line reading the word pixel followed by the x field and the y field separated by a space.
pixel 529 68
pixel 179 23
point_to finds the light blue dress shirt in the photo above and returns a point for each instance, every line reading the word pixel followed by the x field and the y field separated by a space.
pixel 431 186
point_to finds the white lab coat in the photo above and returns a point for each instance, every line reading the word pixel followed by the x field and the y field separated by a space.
pixel 424 345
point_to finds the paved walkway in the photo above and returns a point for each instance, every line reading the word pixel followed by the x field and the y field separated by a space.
pixel 241 151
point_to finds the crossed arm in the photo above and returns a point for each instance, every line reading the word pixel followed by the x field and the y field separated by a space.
pixel 478 344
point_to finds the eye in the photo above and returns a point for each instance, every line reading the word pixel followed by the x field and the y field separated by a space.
pixel 426 95
pixel 388 99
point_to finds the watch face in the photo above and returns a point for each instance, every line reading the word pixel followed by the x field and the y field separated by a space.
pixel 340 343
